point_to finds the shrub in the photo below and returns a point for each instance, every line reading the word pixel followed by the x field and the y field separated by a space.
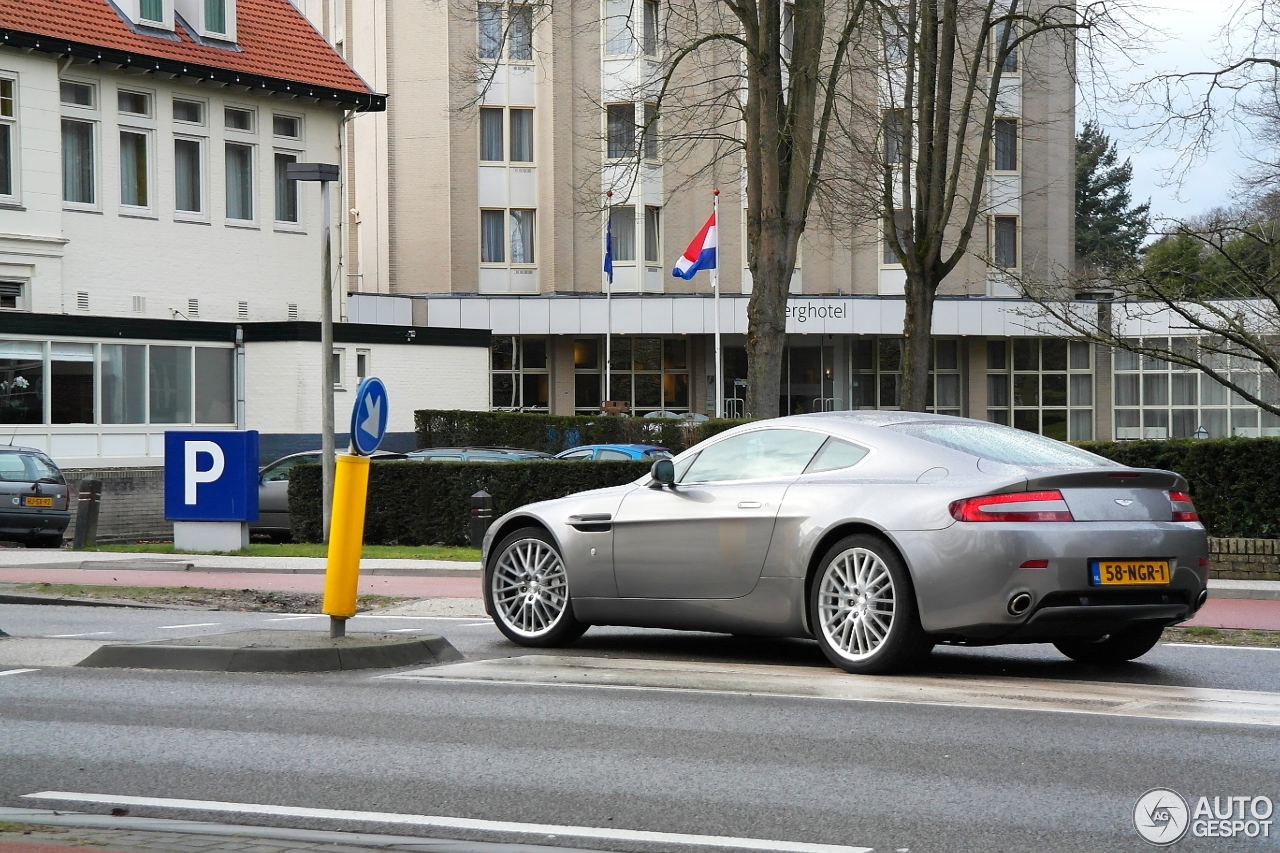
pixel 1233 481
pixel 554 433
pixel 428 503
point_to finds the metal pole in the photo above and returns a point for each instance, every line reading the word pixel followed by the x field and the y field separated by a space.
pixel 337 627
pixel 715 290
pixel 326 366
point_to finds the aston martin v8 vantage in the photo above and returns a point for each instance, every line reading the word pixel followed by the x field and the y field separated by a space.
pixel 878 534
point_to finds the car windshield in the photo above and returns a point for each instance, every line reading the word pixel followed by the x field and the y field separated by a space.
pixel 28 468
pixel 1002 444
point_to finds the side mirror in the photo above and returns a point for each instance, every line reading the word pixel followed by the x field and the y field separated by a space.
pixel 664 473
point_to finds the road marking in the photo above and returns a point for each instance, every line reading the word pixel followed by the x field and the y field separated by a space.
pixel 543 830
pixel 1116 699
pixel 192 625
pixel 293 618
pixel 17 671
pixel 1222 646
pixel 475 624
pixel 405 630
pixel 69 636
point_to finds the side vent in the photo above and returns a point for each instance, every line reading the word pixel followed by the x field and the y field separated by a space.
pixel 242 312
pixel 293 311
pixel 193 308
pixel 139 304
pixel 82 300
pixel 10 294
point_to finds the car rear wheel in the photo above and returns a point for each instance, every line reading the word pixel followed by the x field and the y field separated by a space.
pixel 526 589
pixel 1119 647
pixel 862 608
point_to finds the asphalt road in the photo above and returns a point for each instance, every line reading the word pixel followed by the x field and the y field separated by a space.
pixel 890 776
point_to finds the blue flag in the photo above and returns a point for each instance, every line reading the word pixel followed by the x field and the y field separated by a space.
pixel 608 249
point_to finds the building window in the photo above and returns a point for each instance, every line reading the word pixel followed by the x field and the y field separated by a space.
pixel 998 36
pixel 286 190
pixel 133 169
pixel 1005 143
pixel 188 112
pixel 8 126
pixel 493 243
pixel 362 364
pixel 876 371
pixel 650 132
pixel 651 9
pixel 286 127
pixel 901 220
pixel 1156 399
pixel 648 374
pixel 895 134
pixel 239 181
pixel 133 103
pixel 76 94
pixel 618 38
pixel 518 35
pixel 1004 242
pixel 519 378
pixel 71 386
pixel 622 223
pixel 490 21
pixel 621 120
pixel 521 136
pixel 520 47
pixel 492 148
pixel 235 118
pixel 77 162
pixel 188 181
pixel 653 234
pixel 521 236
pixel 507 233
pixel 11 296
pixel 215 16
pixel 21 382
pixel 1041 385
pixel 151 10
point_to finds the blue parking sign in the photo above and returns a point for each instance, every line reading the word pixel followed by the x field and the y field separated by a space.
pixel 211 476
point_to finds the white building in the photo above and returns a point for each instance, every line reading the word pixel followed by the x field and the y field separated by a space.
pixel 157 271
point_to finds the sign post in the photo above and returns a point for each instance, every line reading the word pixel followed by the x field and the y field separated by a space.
pixel 350 489
pixel 210 488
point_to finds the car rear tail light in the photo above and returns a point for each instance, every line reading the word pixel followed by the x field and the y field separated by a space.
pixel 1204 562
pixel 1035 564
pixel 1183 508
pixel 1014 506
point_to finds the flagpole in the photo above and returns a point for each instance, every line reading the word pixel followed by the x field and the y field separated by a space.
pixel 715 291
pixel 608 307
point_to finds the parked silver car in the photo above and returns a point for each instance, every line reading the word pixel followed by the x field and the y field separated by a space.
pixel 879 534
pixel 33 498
pixel 273 491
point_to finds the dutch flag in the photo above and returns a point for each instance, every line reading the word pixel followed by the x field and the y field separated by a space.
pixel 701 254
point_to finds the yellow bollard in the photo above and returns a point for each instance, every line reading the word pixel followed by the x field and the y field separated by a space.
pixel 346 538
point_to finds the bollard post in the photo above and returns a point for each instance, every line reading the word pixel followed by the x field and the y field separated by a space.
pixel 87 506
pixel 481 516
pixel 346 537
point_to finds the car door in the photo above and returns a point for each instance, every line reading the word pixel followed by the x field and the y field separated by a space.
pixel 707 536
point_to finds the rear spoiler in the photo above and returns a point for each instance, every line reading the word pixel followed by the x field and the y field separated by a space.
pixel 1115 478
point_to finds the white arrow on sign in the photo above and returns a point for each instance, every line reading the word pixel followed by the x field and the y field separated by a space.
pixel 372 415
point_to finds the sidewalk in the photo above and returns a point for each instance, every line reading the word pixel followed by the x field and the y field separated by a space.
pixel 1232 604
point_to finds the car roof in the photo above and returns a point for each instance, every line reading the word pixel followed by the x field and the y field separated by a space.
pixel 616 447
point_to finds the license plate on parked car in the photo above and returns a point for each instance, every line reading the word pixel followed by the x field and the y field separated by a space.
pixel 1128 572
pixel 37 502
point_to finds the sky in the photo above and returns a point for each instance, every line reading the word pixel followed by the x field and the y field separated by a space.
pixel 1188 42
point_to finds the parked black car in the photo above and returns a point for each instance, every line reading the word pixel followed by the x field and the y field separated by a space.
pixel 33 498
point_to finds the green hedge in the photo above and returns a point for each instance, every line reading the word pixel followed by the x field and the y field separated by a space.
pixel 429 503
pixel 554 433
pixel 1235 482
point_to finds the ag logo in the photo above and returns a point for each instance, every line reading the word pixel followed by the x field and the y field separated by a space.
pixel 1161 816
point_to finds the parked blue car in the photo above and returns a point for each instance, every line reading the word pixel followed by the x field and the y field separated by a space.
pixel 615 452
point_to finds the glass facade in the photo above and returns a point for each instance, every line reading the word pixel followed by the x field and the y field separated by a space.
pixel 876 370
pixel 648 374
pixel 519 378
pixel 1042 385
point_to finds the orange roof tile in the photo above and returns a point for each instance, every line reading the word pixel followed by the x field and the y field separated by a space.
pixel 276 43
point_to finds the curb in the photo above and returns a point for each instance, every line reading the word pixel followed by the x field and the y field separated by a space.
pixel 289 651
pixel 22 598
pixel 1239 594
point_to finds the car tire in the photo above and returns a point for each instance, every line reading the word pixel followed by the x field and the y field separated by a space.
pixel 526 590
pixel 1119 647
pixel 862 608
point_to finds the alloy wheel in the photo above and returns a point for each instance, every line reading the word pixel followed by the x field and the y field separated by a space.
pixel 530 588
pixel 856 603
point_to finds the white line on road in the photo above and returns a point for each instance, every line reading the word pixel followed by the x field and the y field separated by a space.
pixel 1217 646
pixel 405 630
pixel 69 636
pixel 192 625
pixel 294 618
pixel 475 624
pixel 543 830
pixel 17 671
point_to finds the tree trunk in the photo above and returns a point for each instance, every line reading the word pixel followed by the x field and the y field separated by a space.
pixel 918 332
pixel 767 320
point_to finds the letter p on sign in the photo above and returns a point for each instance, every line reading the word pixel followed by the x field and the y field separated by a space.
pixel 193 476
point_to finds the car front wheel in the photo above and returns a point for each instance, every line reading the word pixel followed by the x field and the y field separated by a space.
pixel 1119 647
pixel 526 588
pixel 862 608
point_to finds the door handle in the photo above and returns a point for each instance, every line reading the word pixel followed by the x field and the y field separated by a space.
pixel 749 504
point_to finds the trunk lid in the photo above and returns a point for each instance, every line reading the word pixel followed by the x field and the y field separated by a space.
pixel 1133 494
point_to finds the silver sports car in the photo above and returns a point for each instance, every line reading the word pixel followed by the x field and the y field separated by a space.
pixel 879 534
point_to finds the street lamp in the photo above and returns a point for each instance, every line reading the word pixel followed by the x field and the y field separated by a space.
pixel 324 174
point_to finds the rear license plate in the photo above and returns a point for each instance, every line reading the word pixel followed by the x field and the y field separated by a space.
pixel 1128 572
pixel 37 502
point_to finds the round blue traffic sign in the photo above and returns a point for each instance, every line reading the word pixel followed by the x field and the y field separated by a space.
pixel 369 416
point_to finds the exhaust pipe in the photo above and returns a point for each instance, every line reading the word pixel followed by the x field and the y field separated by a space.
pixel 1020 604
pixel 1203 597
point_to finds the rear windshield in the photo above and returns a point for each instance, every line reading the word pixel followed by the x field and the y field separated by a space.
pixel 1003 444
pixel 28 468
